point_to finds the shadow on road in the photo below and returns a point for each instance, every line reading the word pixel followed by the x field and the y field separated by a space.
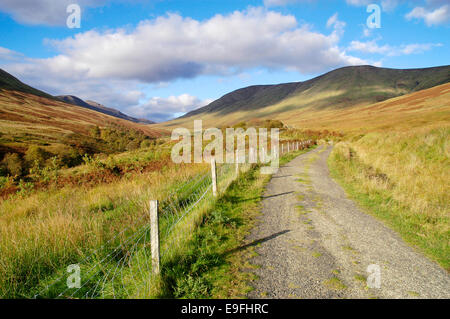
pixel 281 176
pixel 258 241
pixel 236 200
pixel 276 195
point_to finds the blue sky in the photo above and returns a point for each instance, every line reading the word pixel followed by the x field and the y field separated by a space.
pixel 158 59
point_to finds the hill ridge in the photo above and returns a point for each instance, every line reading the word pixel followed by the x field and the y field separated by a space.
pixel 356 85
pixel 11 83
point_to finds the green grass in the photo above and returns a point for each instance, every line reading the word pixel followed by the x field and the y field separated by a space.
pixel 212 264
pixel 360 278
pixel 427 232
pixel 290 156
pixel 209 267
pixel 335 283
pixel 44 231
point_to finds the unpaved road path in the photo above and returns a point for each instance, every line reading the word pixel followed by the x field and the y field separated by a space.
pixel 314 242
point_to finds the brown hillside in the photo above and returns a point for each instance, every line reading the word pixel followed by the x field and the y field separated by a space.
pixel 27 118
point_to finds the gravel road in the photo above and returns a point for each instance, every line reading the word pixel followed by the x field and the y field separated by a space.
pixel 314 242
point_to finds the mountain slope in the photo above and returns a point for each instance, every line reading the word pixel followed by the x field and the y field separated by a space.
pixel 341 88
pixel 101 108
pixel 27 119
pixel 9 82
pixel 425 108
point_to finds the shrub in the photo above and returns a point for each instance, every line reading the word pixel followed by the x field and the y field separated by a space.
pixel 133 145
pixel 146 144
pixel 36 156
pixel 95 132
pixel 13 164
pixel 269 124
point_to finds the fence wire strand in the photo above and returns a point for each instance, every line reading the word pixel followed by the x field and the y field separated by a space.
pixel 126 270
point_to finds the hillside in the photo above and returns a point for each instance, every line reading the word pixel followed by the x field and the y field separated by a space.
pixel 101 108
pixel 11 83
pixel 335 90
pixel 27 119
pixel 430 107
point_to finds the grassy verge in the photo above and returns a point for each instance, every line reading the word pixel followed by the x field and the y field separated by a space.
pixel 209 266
pixel 401 178
pixel 43 232
pixel 214 264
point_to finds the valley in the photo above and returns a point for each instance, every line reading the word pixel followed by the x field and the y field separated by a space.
pixel 73 177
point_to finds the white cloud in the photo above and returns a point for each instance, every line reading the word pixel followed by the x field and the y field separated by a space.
pixel 109 66
pixel 440 15
pixel 47 12
pixel 386 5
pixel 163 109
pixel 338 25
pixel 367 32
pixel 332 20
pixel 388 50
pixel 172 47
pixel 9 55
pixel 278 3
pixel 358 2
pixel 416 48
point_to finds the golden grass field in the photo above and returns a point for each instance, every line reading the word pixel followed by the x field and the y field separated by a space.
pixel 46 229
pixel 426 107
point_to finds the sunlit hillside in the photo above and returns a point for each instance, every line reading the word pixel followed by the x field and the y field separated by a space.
pixel 427 107
pixel 328 100
pixel 27 119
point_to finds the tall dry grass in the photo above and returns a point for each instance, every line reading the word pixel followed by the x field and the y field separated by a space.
pixel 43 231
pixel 404 178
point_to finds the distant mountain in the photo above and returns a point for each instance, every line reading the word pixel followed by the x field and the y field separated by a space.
pixel 101 108
pixel 341 88
pixel 32 117
pixel 117 113
pixel 10 83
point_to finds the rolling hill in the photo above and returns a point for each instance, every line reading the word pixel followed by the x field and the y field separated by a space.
pixel 101 108
pixel 337 90
pixel 11 83
pixel 32 117
pixel 425 108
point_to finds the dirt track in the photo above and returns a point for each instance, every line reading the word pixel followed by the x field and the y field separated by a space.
pixel 314 242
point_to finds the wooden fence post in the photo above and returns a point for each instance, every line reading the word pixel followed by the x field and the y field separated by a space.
pixel 214 176
pixel 251 156
pixel 154 236
pixel 237 163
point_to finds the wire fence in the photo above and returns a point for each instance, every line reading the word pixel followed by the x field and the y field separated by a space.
pixel 122 266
